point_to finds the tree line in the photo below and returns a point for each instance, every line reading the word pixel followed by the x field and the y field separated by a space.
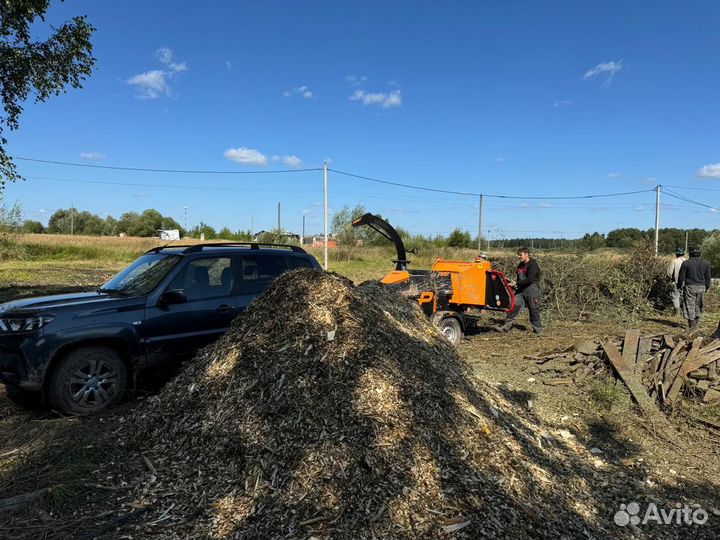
pixel 147 223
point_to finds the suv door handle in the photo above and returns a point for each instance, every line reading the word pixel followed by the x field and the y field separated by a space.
pixel 224 308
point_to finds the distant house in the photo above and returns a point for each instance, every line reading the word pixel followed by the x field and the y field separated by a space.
pixel 319 241
pixel 168 234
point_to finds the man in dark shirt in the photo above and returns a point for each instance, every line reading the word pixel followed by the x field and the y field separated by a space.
pixel 694 281
pixel 527 293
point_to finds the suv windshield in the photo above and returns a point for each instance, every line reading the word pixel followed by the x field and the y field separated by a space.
pixel 142 276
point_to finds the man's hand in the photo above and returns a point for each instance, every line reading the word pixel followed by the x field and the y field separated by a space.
pixel 513 284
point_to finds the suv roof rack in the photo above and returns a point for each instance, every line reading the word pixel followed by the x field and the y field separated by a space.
pixel 193 248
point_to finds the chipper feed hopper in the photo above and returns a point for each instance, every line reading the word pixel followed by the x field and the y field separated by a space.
pixel 452 291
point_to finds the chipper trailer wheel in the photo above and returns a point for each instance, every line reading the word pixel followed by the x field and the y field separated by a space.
pixel 451 329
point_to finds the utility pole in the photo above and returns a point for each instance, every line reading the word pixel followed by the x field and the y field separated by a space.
pixel 657 217
pixel 279 224
pixel 686 242
pixel 302 238
pixel 252 228
pixel 72 219
pixel 186 214
pixel 325 225
pixel 480 224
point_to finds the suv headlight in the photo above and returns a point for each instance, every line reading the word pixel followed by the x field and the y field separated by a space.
pixel 24 324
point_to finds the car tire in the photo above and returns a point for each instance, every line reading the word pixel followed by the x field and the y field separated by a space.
pixel 451 329
pixel 88 380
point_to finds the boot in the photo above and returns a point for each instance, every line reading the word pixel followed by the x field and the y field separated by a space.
pixel 690 323
pixel 505 328
pixel 695 323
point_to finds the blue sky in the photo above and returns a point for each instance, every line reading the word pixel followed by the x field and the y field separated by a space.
pixel 520 98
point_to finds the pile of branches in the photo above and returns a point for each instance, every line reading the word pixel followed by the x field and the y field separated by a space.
pixel 581 285
pixel 335 411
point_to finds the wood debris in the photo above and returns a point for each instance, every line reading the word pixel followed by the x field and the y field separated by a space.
pixel 656 368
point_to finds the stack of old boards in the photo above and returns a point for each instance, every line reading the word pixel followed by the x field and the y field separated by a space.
pixel 335 411
pixel 655 366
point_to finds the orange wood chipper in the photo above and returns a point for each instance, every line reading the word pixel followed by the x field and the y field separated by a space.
pixel 451 291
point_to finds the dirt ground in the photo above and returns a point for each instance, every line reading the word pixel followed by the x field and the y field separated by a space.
pixel 634 461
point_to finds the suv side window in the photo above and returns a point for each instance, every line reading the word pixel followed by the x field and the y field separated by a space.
pixel 259 270
pixel 201 279
pixel 299 262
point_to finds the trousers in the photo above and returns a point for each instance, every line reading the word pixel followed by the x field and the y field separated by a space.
pixel 694 300
pixel 530 297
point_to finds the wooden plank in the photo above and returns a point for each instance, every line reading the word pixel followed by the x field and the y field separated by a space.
pixel 663 362
pixel 644 350
pixel 630 347
pixel 710 347
pixel 690 360
pixel 638 392
pixel 669 341
pixel 654 363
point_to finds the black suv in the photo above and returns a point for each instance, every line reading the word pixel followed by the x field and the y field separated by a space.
pixel 81 350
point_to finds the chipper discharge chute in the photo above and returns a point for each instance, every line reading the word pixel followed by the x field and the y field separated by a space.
pixel 451 291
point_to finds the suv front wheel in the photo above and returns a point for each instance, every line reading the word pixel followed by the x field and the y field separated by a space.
pixel 88 380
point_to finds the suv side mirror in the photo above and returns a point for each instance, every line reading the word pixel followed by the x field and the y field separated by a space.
pixel 173 296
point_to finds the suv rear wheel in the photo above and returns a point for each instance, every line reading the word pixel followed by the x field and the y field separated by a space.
pixel 88 380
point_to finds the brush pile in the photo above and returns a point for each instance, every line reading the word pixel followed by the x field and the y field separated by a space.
pixel 335 411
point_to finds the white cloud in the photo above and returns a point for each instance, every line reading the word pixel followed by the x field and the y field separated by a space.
pixel 562 103
pixel 386 101
pixel 228 65
pixel 177 67
pixel 649 181
pixel 246 156
pixel 150 85
pixel 605 70
pixel 95 156
pixel 498 159
pixel 154 83
pixel 302 91
pixel 355 81
pixel 614 175
pixel 293 162
pixel 711 170
pixel 166 56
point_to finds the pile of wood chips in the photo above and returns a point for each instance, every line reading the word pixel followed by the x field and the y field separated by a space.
pixel 661 366
pixel 335 411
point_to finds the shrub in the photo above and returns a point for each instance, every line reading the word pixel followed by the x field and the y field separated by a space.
pixel 10 222
pixel 711 251
pixel 580 285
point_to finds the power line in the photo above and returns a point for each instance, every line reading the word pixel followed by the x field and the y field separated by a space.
pixel 165 186
pixel 692 188
pixel 174 171
pixel 471 194
pixel 683 198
